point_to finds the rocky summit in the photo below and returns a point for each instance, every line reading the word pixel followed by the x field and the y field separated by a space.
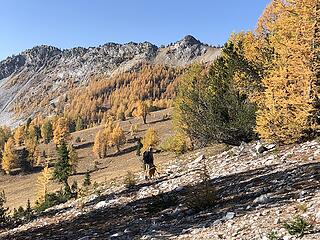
pixel 256 194
pixel 49 71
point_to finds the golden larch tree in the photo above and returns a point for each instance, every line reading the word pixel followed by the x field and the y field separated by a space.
pixel 150 139
pixel 117 137
pixel 100 144
pixel 19 135
pixel 61 131
pixel 43 181
pixel 9 157
pixel 287 113
pixel 142 110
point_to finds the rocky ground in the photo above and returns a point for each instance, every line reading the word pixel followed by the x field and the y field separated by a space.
pixel 255 194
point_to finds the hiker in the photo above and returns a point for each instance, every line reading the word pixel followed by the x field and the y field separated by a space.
pixel 148 161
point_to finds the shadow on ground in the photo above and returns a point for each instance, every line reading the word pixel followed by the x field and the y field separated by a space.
pixel 236 192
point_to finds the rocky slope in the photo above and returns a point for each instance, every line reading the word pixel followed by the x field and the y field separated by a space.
pixel 48 71
pixel 255 194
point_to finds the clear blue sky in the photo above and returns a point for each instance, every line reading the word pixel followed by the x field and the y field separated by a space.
pixel 70 23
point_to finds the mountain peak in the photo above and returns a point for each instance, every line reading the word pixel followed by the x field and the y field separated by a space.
pixel 189 39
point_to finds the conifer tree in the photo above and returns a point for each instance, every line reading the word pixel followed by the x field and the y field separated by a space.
pixel 9 157
pixel 19 135
pixel 100 144
pixel 142 110
pixel 150 139
pixel 61 131
pixel 288 111
pixel 117 137
pixel 74 159
pixel 87 179
pixel 3 209
pixel 42 182
pixel 5 134
pixel 62 168
pixel 210 108
pixel 47 131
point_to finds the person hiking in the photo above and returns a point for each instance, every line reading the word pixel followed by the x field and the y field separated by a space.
pixel 148 161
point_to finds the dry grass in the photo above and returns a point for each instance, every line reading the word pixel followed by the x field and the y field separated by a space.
pixel 20 188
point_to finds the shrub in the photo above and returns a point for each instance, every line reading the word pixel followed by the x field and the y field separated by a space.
pixel 52 199
pixel 273 236
pixel 297 226
pixel 176 143
pixel 78 139
pixel 130 180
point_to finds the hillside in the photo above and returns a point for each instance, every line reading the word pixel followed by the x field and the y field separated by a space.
pixel 255 194
pixel 41 76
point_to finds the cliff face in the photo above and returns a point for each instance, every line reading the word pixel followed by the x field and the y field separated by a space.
pixel 48 71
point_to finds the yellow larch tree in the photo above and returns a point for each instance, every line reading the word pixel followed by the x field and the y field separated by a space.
pixel 100 144
pixel 9 157
pixel 43 181
pixel 150 139
pixel 61 131
pixel 142 110
pixel 19 135
pixel 117 137
pixel 287 113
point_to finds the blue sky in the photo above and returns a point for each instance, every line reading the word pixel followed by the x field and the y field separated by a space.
pixel 71 23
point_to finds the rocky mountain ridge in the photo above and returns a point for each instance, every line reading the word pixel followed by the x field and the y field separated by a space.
pixel 49 71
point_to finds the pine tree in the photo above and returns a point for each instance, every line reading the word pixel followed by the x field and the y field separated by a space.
pixel 47 131
pixel 87 179
pixel 3 209
pixel 288 109
pixel 74 159
pixel 150 139
pixel 42 182
pixel 117 137
pixel 209 106
pixel 62 168
pixel 9 157
pixel 61 131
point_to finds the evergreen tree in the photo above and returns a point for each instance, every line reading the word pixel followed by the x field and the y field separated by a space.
pixel 73 157
pixel 210 108
pixel 62 169
pixel 47 131
pixel 3 209
pixel 87 179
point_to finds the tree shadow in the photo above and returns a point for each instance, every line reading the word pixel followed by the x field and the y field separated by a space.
pixel 236 193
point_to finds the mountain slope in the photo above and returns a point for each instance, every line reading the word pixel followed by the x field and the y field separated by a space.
pixel 48 71
pixel 255 195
